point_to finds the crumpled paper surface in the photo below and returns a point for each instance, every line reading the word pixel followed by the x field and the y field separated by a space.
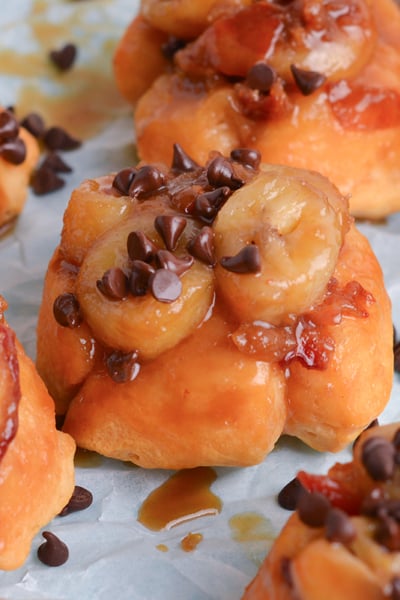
pixel 111 554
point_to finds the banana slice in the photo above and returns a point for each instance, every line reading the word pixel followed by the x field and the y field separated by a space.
pixel 166 295
pixel 277 241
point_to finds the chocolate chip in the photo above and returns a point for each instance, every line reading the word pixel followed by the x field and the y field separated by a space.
pixel 206 205
pixel 220 173
pixel 113 284
pixel 139 277
pixel 377 456
pixel 44 180
pixel 66 310
pixel 34 123
pixel 202 246
pixel 140 247
pixel 307 81
pixel 9 127
pixel 53 552
pixel 123 366
pixel 387 531
pixel 170 228
pixel 289 495
pixel 13 151
pixel 80 499
pixel 181 161
pixel 54 162
pixel 397 357
pixel 56 138
pixel 123 179
pixel 147 180
pixel 313 508
pixel 261 77
pixel 247 260
pixel 339 527
pixel 165 285
pixel 176 264
pixel 246 156
pixel 64 58
pixel 171 46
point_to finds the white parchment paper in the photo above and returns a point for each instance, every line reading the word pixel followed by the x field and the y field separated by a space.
pixel 111 554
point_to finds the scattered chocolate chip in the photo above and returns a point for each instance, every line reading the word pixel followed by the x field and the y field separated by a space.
pixel 64 58
pixel 140 247
pixel 260 77
pixel 53 552
pixel 181 161
pixel 54 162
pixel 307 81
pixel 313 508
pixel 377 456
pixel 206 205
pixel 179 265
pixel 66 310
pixel 34 123
pixel 165 285
pixel 246 156
pixel 397 357
pixel 123 366
pixel 147 180
pixel 44 180
pixel 170 228
pixel 113 284
pixel 220 173
pixel 247 260
pixel 202 246
pixel 13 151
pixel 123 179
pixel 387 531
pixel 9 127
pixel 171 47
pixel 80 499
pixel 56 138
pixel 339 527
pixel 139 277
pixel 289 495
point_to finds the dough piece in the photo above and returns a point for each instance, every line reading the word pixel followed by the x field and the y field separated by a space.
pixel 343 541
pixel 310 84
pixel 36 460
pixel 19 153
pixel 197 313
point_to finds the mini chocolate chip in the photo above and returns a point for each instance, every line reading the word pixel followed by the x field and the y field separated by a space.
pixel 260 77
pixel 202 246
pixel 206 205
pixel 246 156
pixel 64 58
pixel 123 366
pixel 123 179
pixel 313 508
pixel 176 264
pixel 34 123
pixel 289 495
pixel 395 589
pixel 66 310
pixel 307 81
pixel 139 277
pixel 387 532
pixel 44 180
pixel 220 173
pixel 81 498
pixel 54 162
pixel 140 247
pixel 9 127
pixel 181 161
pixel 171 46
pixel 397 357
pixel 377 456
pixel 165 286
pixel 113 284
pixel 56 138
pixel 13 151
pixel 247 260
pixel 339 527
pixel 53 552
pixel 147 180
pixel 170 228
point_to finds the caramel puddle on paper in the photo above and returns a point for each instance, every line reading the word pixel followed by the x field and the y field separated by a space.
pixel 191 541
pixel 186 495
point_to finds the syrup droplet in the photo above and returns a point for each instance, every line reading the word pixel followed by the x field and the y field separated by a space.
pixel 191 541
